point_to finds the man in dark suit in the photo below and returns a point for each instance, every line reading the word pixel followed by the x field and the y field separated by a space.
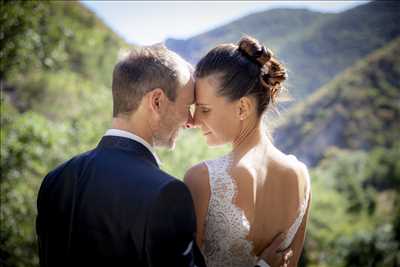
pixel 113 206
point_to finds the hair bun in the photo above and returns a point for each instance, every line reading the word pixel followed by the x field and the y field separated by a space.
pixel 253 50
pixel 272 72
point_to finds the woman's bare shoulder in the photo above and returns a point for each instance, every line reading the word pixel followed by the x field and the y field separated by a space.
pixel 196 177
pixel 289 170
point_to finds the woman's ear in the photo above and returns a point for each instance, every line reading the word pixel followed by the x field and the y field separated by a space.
pixel 245 106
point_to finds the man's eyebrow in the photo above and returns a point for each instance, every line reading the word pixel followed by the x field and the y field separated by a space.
pixel 201 104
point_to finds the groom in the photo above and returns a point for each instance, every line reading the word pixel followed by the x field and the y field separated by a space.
pixel 113 206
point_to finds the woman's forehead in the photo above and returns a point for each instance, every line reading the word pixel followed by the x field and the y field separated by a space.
pixel 204 91
pixel 206 85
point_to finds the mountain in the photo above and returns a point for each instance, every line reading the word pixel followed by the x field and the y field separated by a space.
pixel 339 42
pixel 359 109
pixel 275 27
pixel 314 46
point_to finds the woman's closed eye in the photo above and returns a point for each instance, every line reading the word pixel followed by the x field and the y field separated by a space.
pixel 201 108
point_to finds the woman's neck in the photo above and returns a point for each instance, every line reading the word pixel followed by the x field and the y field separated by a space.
pixel 250 137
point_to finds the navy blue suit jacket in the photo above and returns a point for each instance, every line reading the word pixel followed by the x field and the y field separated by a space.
pixel 113 206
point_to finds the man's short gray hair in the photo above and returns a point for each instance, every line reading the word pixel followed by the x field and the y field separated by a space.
pixel 141 71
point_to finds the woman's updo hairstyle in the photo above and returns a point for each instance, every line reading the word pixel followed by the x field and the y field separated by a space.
pixel 246 69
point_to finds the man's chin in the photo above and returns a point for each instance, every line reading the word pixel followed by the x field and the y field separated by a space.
pixel 171 146
pixel 168 144
pixel 172 143
pixel 172 140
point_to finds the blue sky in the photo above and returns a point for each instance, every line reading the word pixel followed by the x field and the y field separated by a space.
pixel 149 22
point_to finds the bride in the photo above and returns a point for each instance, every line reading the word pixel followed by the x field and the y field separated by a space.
pixel 243 199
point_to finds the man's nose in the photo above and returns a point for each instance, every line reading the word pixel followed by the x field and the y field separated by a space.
pixel 190 122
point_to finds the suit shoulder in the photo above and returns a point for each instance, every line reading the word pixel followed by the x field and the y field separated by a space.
pixel 173 185
pixel 72 163
pixel 55 177
pixel 174 194
pixel 159 178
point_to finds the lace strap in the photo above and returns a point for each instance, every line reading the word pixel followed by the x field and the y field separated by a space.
pixel 303 208
pixel 212 169
pixel 221 184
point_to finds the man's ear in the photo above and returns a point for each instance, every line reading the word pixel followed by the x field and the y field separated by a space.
pixel 156 100
pixel 244 108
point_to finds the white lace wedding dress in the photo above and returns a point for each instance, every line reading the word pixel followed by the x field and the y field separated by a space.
pixel 226 227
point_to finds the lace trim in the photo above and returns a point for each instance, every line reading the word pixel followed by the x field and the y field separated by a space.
pixel 295 226
pixel 227 227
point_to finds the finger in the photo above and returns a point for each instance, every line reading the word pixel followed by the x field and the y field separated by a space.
pixel 281 258
pixel 286 250
pixel 277 241
pixel 288 255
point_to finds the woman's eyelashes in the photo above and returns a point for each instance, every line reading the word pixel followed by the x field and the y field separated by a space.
pixel 204 110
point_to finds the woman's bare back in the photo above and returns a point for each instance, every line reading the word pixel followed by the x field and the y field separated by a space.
pixel 249 200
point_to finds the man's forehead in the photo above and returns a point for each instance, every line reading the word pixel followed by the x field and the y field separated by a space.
pixel 190 91
pixel 186 92
pixel 186 78
pixel 185 71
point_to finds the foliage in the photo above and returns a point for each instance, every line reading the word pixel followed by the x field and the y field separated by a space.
pixel 56 65
pixel 31 147
pixel 354 222
pixel 31 144
pixel 44 38
pixel 55 72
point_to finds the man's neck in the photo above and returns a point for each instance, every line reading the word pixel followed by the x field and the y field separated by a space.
pixel 129 125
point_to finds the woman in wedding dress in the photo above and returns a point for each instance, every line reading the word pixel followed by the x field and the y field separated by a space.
pixel 243 199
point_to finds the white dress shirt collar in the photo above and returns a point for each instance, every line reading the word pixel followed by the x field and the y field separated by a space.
pixel 122 133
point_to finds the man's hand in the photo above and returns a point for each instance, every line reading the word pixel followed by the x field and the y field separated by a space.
pixel 273 256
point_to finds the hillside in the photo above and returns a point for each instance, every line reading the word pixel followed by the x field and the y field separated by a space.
pixel 359 109
pixel 55 54
pixel 314 46
pixel 338 43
